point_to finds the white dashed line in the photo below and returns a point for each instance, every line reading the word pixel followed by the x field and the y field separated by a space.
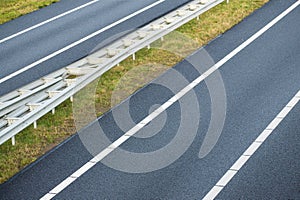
pixel 212 194
pixel 227 177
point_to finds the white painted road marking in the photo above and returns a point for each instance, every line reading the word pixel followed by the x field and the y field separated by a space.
pixel 77 42
pixel 47 21
pixel 231 172
pixel 213 193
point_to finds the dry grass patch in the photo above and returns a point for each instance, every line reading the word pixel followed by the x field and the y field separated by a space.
pixel 11 9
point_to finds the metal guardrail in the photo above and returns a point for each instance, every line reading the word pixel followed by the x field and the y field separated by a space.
pixel 24 107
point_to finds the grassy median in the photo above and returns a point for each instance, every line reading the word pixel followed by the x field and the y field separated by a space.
pixel 53 129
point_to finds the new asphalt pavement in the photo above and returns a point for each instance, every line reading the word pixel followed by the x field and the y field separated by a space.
pixel 252 88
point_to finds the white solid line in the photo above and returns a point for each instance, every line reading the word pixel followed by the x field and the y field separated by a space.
pixel 60 187
pixel 283 113
pixel 77 42
pixel 213 193
pixel 47 21
pixel 274 124
pixel 263 136
pixel 240 162
pixel 48 196
pixel 120 141
pixel 83 169
pixel 108 150
pixel 186 89
pixel 252 148
pixel 132 131
pixel 148 119
pixel 167 105
pixel 293 102
pixel 140 125
pixel 226 178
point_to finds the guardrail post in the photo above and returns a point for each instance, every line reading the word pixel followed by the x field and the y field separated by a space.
pixel 10 121
pixel 133 56
pixel 13 140
pixel 148 46
pixel 53 111
pixel 34 125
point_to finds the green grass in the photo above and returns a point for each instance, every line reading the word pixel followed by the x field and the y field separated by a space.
pixel 11 9
pixel 53 129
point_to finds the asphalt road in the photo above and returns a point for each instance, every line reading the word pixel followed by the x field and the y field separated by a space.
pixel 259 81
pixel 38 43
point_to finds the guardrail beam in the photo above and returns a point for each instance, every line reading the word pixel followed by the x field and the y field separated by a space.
pixel 60 85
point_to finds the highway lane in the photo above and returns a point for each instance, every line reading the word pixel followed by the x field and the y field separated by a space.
pixel 257 90
pixel 259 82
pixel 38 16
pixel 273 172
pixel 36 44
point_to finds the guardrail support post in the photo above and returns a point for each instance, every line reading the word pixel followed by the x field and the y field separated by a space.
pixel 162 39
pixel 71 98
pixel 53 111
pixel 148 46
pixel 34 125
pixel 227 1
pixel 13 140
pixel 133 56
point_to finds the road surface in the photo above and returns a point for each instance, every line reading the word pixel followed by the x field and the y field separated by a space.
pixel 259 81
